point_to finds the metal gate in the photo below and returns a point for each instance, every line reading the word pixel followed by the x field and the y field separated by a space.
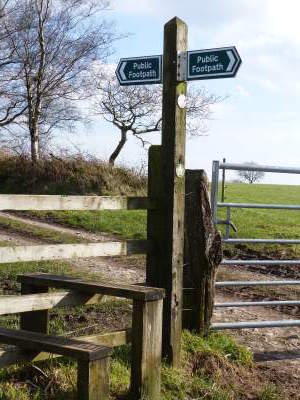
pixel 215 204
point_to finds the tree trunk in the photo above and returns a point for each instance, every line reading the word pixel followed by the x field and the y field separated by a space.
pixel 203 254
pixel 120 146
pixel 35 145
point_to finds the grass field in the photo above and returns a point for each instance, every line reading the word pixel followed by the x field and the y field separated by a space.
pixel 10 225
pixel 124 224
pixel 251 223
pixel 255 223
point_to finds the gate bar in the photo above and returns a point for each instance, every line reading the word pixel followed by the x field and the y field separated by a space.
pixel 262 241
pixel 261 205
pixel 255 324
pixel 256 283
pixel 259 303
pixel 264 168
pixel 260 262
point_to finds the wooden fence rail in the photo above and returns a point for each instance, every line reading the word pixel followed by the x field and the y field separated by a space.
pixel 61 203
pixel 12 254
pixel 45 301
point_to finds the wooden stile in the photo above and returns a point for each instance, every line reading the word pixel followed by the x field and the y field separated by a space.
pixel 146 331
pixel 92 359
pixel 36 342
pixel 133 292
pixel 13 355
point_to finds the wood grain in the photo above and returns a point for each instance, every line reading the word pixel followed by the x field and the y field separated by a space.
pixel 37 342
pixel 101 287
pixel 14 254
pixel 61 203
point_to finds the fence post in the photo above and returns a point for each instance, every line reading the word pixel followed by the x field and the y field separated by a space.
pixel 35 321
pixel 223 182
pixel 93 379
pixel 203 254
pixel 146 350
pixel 214 190
pixel 154 219
pixel 166 229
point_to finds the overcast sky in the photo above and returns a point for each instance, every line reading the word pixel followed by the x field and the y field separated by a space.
pixel 260 119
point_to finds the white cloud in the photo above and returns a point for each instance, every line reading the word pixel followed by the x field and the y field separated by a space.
pixel 242 91
pixel 132 7
pixel 263 103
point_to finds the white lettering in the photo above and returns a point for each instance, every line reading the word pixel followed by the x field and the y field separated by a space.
pixel 142 65
pixel 196 69
pixel 142 75
pixel 207 59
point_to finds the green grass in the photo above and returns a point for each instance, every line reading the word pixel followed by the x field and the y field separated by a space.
pixel 124 224
pixel 9 273
pixel 27 230
pixel 217 343
pixel 255 223
pixel 261 223
pixel 195 379
pixel 269 392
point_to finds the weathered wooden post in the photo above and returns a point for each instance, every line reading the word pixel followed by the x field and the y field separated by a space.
pixel 35 321
pixel 146 349
pixel 166 188
pixel 203 254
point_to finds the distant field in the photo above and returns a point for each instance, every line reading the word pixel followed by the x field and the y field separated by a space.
pixel 251 223
pixel 254 223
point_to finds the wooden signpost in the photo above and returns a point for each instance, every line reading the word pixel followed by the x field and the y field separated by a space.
pixel 166 172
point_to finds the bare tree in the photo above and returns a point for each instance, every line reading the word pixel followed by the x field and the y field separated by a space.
pixel 137 109
pixel 11 103
pixel 250 176
pixel 54 44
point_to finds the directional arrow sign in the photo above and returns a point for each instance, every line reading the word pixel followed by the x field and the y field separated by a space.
pixel 213 63
pixel 140 70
